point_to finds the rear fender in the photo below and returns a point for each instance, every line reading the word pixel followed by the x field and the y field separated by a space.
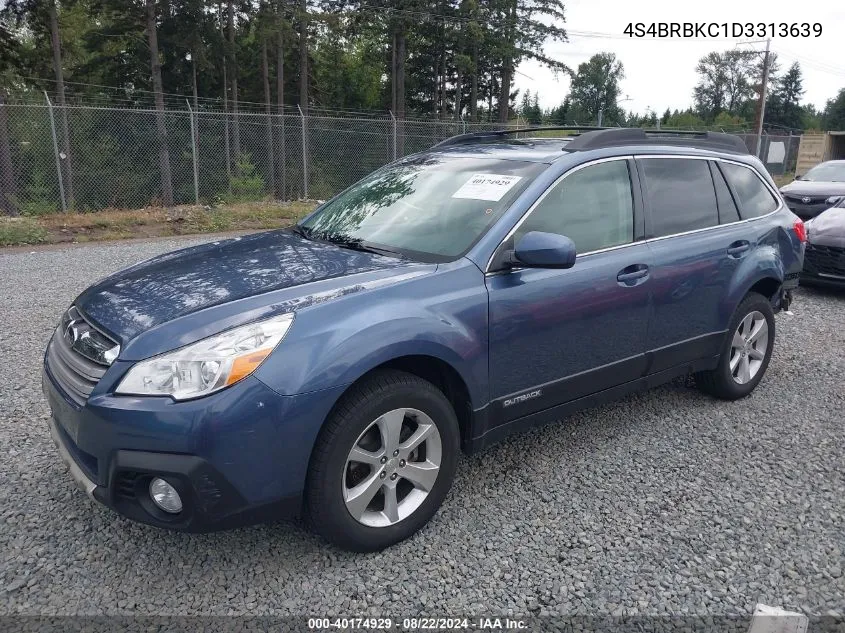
pixel 765 262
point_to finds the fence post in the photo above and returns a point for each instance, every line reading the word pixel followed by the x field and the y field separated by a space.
pixel 463 124
pixel 7 177
pixel 194 154
pixel 393 118
pixel 304 154
pixel 56 152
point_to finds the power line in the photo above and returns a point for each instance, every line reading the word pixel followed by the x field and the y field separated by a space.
pixel 179 98
pixel 815 64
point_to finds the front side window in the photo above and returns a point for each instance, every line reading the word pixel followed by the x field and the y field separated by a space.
pixel 432 207
pixel 592 206
pixel 681 195
pixel 755 199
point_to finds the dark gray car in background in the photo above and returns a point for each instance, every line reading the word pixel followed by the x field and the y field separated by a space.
pixel 817 190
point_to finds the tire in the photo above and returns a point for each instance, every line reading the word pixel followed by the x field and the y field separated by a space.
pixel 366 418
pixel 731 383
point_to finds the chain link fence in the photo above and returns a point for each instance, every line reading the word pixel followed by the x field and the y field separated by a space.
pixel 778 152
pixel 83 158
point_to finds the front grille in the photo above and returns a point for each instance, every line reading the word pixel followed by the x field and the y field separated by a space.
pixel 811 200
pixel 78 356
pixel 813 206
pixel 826 260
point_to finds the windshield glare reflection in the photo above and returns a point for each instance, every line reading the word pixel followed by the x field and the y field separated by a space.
pixel 431 205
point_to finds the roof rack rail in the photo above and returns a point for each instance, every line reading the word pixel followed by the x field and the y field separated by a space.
pixel 652 136
pixel 491 134
pixel 592 137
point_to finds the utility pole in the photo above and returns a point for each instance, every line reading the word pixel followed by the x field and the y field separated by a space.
pixel 761 106
pixel 763 98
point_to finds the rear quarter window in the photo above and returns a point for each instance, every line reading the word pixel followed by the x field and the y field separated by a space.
pixel 680 194
pixel 727 207
pixel 755 198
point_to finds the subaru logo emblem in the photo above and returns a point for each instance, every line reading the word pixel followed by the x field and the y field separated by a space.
pixel 806 199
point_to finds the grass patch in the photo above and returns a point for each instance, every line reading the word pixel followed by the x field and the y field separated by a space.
pixel 116 224
pixel 16 231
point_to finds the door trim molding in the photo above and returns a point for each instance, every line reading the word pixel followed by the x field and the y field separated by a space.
pixel 524 402
pixel 492 431
pixel 538 398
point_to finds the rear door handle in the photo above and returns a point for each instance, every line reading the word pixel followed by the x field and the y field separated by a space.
pixel 739 248
pixel 632 275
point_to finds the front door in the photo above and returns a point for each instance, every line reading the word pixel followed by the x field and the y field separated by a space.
pixel 558 335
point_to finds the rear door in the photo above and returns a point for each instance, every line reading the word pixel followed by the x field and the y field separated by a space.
pixel 697 243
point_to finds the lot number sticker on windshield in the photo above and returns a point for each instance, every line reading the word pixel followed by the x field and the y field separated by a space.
pixel 486 187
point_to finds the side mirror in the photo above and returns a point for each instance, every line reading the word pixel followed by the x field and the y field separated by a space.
pixel 543 250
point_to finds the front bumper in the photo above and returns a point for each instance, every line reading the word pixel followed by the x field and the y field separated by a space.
pixel 236 457
pixel 824 266
pixel 810 278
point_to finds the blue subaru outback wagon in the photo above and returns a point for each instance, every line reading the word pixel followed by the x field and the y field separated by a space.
pixel 450 298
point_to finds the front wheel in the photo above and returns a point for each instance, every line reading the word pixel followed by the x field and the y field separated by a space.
pixel 746 351
pixel 383 463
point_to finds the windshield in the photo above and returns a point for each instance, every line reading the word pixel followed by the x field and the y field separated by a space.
pixel 826 172
pixel 433 207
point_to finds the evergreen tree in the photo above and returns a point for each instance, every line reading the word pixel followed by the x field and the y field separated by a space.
pixel 783 108
pixel 595 89
pixel 834 112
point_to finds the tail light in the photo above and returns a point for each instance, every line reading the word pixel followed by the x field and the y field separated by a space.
pixel 800 230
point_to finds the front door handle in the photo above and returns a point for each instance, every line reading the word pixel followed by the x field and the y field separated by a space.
pixel 739 248
pixel 632 275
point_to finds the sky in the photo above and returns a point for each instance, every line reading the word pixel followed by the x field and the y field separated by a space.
pixel 660 73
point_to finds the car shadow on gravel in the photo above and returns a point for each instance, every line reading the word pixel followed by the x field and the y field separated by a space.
pixel 827 292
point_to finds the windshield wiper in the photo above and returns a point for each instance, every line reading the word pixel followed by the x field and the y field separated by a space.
pixel 300 231
pixel 356 244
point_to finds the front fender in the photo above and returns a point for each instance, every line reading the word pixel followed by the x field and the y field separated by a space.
pixel 383 345
pixel 442 315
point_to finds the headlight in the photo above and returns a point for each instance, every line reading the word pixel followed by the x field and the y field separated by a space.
pixel 207 365
pixel 833 200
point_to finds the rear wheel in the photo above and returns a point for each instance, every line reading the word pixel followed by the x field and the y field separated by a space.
pixel 383 463
pixel 746 351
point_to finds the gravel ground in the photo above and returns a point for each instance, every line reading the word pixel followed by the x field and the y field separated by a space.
pixel 666 502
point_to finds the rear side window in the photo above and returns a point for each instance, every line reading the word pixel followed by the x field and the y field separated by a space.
pixel 592 206
pixel 681 195
pixel 755 199
pixel 727 207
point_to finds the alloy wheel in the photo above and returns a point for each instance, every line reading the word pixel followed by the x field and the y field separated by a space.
pixel 392 467
pixel 748 347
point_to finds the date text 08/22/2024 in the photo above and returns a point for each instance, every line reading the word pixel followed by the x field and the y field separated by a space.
pixel 417 623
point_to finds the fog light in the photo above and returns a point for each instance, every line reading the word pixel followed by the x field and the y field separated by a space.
pixel 165 496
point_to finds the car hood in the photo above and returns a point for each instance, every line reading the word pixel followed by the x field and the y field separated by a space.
pixel 810 188
pixel 828 228
pixel 176 284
